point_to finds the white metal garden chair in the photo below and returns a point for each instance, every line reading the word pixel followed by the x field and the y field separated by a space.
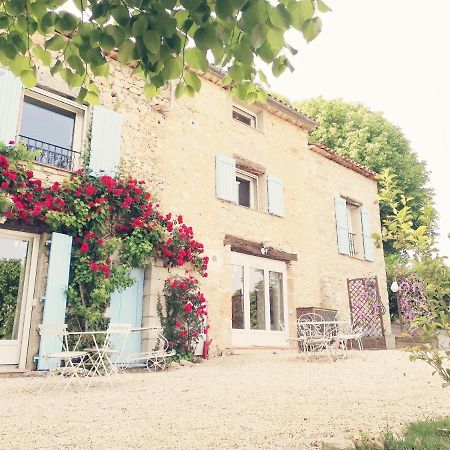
pixel 347 334
pixel 155 359
pixel 107 358
pixel 315 335
pixel 73 360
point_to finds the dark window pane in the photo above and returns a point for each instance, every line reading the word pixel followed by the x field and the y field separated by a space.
pixel 47 123
pixel 243 192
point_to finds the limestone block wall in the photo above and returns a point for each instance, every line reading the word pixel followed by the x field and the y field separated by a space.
pixel 194 132
pixel 172 145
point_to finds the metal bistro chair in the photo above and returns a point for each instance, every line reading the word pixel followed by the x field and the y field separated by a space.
pixel 155 359
pixel 107 358
pixel 74 366
pixel 315 335
pixel 347 332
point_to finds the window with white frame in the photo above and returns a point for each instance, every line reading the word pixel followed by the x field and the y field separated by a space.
pixel 242 187
pixel 258 295
pixel 53 126
pixel 245 117
pixel 353 226
pixel 247 189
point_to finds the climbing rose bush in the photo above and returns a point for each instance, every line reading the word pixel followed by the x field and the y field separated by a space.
pixel 116 225
pixel 184 321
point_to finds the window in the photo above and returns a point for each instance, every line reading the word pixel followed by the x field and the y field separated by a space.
pixel 244 117
pixel 235 185
pixel 258 301
pixel 247 189
pixel 354 236
pixel 52 126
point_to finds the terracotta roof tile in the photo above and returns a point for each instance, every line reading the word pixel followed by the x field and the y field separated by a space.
pixel 335 156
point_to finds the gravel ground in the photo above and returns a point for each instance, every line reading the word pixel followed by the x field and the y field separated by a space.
pixel 232 402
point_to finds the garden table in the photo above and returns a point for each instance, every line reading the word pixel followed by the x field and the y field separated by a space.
pixel 320 335
pixel 97 354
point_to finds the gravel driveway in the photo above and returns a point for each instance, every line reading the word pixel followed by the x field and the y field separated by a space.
pixel 241 402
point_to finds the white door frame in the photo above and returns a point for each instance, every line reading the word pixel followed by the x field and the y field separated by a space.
pixel 260 338
pixel 27 299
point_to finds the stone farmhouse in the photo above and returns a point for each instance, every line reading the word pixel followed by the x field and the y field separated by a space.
pixel 285 223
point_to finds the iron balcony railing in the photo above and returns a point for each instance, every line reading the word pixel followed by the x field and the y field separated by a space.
pixel 51 154
pixel 351 244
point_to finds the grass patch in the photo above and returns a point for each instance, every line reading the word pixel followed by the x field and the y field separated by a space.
pixel 423 435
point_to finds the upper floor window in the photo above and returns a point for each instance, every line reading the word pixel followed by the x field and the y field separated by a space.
pixel 247 189
pixel 52 126
pixel 353 227
pixel 244 117
pixel 242 187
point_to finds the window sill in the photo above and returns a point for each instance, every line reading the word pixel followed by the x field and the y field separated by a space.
pixel 248 127
pixel 55 168
pixel 265 213
pixel 354 258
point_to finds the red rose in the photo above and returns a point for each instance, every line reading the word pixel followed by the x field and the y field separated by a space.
pixel 188 307
pixel 11 175
pixel 90 190
pixel 29 174
pixel 11 142
pixel 178 324
pixel 4 185
pixel 180 219
pixel 55 187
pixel 94 266
pixel 84 247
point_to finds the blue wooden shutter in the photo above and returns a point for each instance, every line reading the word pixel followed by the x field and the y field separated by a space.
pixel 10 100
pixel 342 225
pixel 226 186
pixel 55 296
pixel 275 195
pixel 367 235
pixel 126 308
pixel 105 142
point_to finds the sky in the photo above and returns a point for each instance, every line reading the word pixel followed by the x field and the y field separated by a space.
pixel 393 56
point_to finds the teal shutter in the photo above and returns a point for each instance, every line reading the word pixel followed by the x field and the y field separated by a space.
pixel 275 195
pixel 226 186
pixel 126 308
pixel 55 296
pixel 342 225
pixel 105 142
pixel 367 235
pixel 10 100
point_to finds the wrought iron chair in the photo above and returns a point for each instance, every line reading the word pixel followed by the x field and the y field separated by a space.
pixel 348 332
pixel 107 358
pixel 74 361
pixel 155 359
pixel 315 335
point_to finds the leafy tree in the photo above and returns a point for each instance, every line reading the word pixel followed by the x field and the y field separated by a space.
pixel 418 260
pixel 157 37
pixel 370 139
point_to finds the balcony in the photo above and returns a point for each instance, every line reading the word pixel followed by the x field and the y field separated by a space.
pixel 351 244
pixel 51 154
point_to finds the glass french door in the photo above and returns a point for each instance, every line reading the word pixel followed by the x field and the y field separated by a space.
pixel 18 258
pixel 258 302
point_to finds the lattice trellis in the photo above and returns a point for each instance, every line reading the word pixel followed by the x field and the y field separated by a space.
pixel 365 305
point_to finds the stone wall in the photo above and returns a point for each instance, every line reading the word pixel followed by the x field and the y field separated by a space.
pixel 172 145
pixel 177 159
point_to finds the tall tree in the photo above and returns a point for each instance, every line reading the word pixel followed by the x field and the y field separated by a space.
pixel 370 139
pixel 158 37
